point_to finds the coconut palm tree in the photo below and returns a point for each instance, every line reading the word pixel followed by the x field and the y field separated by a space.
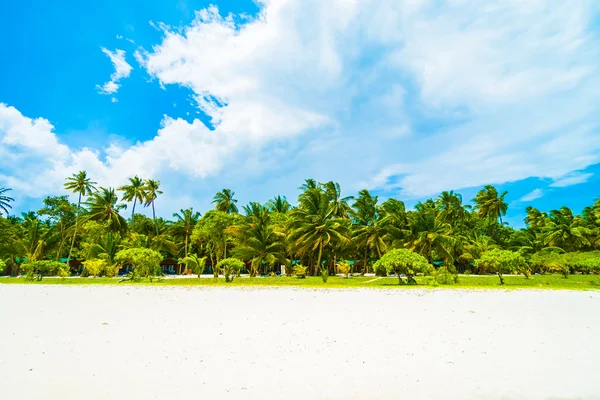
pixel 184 226
pixel 5 200
pixel 429 234
pixel 566 231
pixel 279 204
pixel 80 184
pixel 225 202
pixel 339 204
pixel 490 204
pixel 313 226
pixel 151 189
pixel 259 242
pixel 103 206
pixel 450 208
pixel 196 263
pixel 134 191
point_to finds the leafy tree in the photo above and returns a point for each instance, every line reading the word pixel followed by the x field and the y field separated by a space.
pixel 134 191
pixel 225 202
pixel 37 269
pixel 184 226
pixel 230 267
pixel 81 185
pixel 152 191
pixel 402 262
pixel 5 200
pixel 144 262
pixel 501 262
pixel 61 213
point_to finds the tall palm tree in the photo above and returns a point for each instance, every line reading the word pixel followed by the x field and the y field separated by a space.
pixel 279 204
pixel 225 202
pixel 5 200
pixel 430 235
pixel 103 206
pixel 535 219
pixel 183 227
pixel 490 204
pixel 151 189
pixel 450 208
pixel 136 191
pixel 80 184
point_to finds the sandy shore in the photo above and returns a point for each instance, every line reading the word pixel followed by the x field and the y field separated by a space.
pixel 60 342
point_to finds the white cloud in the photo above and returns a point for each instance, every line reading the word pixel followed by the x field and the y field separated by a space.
pixel 573 178
pixel 533 195
pixel 394 95
pixel 122 70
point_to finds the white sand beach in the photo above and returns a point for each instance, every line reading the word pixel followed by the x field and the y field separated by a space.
pixel 83 342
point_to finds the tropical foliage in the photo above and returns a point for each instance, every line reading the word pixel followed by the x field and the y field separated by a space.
pixel 322 233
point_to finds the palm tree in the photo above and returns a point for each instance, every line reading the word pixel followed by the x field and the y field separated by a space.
pixel 566 231
pixel 151 188
pixel 535 219
pixel 430 235
pixel 279 204
pixel 367 234
pixel 259 242
pixel 197 263
pixel 82 185
pixel 183 227
pixel 107 248
pixel 450 208
pixel 340 205
pixel 103 207
pixel 489 204
pixel 136 191
pixel 313 225
pixel 4 200
pixel 225 202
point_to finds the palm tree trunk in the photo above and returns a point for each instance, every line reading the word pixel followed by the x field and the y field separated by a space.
pixel 319 258
pixel 365 263
pixel 74 233
pixel 132 214
pixel 154 218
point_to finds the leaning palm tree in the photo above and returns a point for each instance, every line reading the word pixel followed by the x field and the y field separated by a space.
pixel 566 231
pixel 135 191
pixel 103 206
pixel 490 204
pixel 152 191
pixel 80 184
pixel 197 264
pixel 225 202
pixel 4 200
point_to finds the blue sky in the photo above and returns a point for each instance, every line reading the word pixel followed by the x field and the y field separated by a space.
pixel 406 98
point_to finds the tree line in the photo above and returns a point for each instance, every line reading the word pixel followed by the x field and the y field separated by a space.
pixel 324 233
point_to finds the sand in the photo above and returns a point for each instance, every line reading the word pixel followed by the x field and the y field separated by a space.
pixel 59 342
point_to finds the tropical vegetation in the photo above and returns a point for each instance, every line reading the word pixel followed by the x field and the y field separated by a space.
pixel 323 234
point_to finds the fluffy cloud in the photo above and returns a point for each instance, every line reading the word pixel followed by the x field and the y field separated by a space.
pixel 570 179
pixel 122 70
pixel 410 97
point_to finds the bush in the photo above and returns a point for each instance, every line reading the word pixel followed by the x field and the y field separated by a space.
pixel 402 261
pixel 144 262
pixel 36 270
pixel 344 267
pixel 300 271
pixel 101 267
pixel 444 277
pixel 230 267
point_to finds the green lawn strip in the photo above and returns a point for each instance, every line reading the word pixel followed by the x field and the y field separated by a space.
pixel 574 282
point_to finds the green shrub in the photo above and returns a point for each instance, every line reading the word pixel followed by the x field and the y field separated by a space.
pixel 403 261
pixel 300 271
pixel 230 267
pixel 444 277
pixel 344 267
pixel 36 270
pixel 100 267
pixel 324 274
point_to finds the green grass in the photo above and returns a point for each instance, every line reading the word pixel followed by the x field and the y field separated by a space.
pixel 574 282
